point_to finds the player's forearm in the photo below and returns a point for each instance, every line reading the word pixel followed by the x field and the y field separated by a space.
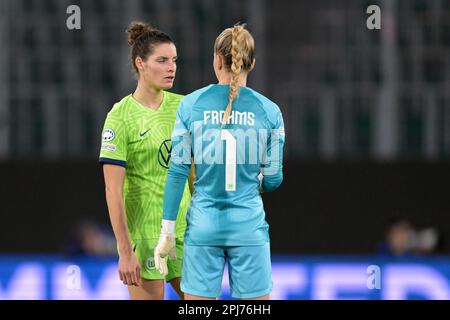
pixel 173 193
pixel 273 173
pixel 118 219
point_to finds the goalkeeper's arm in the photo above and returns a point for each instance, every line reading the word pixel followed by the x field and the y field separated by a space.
pixel 173 192
pixel 272 168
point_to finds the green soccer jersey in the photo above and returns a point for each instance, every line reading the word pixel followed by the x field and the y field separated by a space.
pixel 138 138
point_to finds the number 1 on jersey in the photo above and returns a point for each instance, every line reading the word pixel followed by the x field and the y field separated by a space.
pixel 230 160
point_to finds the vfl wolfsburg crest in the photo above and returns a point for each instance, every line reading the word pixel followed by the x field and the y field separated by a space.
pixel 150 264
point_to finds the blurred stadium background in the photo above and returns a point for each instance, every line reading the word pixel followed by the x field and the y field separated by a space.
pixel 367 116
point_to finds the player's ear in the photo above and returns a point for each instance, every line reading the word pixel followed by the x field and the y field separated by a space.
pixel 253 65
pixel 218 61
pixel 139 63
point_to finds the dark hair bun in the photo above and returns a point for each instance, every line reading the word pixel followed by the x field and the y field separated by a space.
pixel 136 29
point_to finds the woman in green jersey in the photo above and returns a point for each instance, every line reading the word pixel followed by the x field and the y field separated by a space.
pixel 135 154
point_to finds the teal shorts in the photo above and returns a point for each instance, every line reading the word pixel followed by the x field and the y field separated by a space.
pixel 249 270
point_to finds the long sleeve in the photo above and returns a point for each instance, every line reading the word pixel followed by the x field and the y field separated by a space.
pixel 179 167
pixel 273 168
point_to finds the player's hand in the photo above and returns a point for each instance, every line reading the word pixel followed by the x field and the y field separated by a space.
pixel 166 247
pixel 130 270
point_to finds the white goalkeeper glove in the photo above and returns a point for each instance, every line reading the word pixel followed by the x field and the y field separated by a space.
pixel 166 246
pixel 260 178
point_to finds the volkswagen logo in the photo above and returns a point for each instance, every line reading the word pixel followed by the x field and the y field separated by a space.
pixel 164 153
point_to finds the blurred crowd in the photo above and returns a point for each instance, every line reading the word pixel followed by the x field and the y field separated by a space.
pixel 403 239
pixel 90 238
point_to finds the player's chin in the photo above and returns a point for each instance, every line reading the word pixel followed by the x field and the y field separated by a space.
pixel 167 87
pixel 166 84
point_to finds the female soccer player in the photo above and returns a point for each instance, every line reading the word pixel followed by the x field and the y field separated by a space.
pixel 135 154
pixel 231 148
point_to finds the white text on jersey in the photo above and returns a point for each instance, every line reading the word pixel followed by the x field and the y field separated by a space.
pixel 236 117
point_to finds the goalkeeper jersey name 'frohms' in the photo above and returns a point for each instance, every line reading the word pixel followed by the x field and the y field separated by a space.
pixel 241 118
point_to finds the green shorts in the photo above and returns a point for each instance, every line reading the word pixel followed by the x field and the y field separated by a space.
pixel 144 250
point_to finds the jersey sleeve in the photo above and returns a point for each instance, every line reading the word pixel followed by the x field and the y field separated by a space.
pixel 272 168
pixel 113 148
pixel 179 166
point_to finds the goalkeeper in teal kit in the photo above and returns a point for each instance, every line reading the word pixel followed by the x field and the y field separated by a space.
pixel 235 137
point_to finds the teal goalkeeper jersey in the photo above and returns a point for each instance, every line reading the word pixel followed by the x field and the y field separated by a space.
pixel 139 139
pixel 226 207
